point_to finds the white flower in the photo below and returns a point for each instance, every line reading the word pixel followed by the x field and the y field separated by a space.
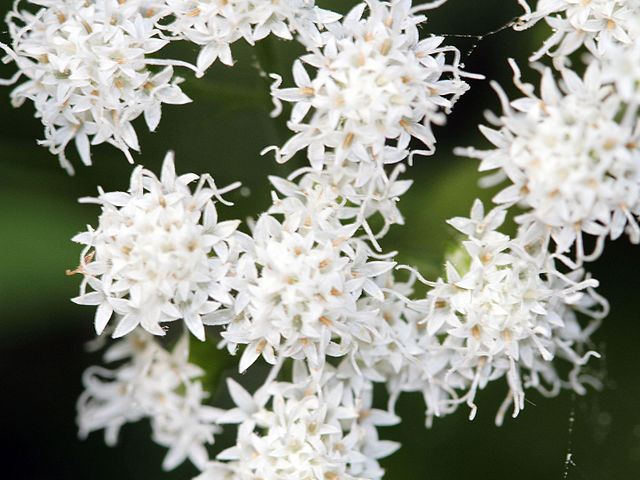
pixel 389 350
pixel 152 383
pixel 159 253
pixel 375 81
pixel 87 69
pixel 508 313
pixel 310 204
pixel 596 24
pixel 310 430
pixel 352 192
pixel 301 292
pixel 216 24
pixel 571 157
pixel 621 67
pixel 364 188
pixel 184 425
pixel 218 471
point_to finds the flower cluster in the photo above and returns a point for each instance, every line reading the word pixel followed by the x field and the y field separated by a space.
pixel 302 294
pixel 307 288
pixel 375 81
pixel 595 24
pixel 569 157
pixel 90 67
pixel 304 430
pixel 159 253
pixel 376 86
pixel 506 311
pixel 155 384
pixel 88 71
pixel 309 282
pixel 215 25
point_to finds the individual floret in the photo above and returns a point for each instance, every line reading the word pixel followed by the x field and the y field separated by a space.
pixel 621 68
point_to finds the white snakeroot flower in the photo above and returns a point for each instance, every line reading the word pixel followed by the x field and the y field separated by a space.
pixel 216 24
pixel 310 204
pixel 388 351
pixel 621 67
pixel 215 470
pixel 374 81
pixel 185 427
pixel 159 253
pixel 596 24
pixel 87 69
pixel 151 383
pixel 509 313
pixel 572 157
pixel 309 430
pixel 300 294
pixel 352 192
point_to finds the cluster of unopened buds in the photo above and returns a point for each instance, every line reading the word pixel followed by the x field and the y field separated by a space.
pixel 307 286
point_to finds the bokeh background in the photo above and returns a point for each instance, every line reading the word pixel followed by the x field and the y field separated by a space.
pixel 42 334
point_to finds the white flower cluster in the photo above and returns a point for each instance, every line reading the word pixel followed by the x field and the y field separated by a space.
pixel 375 81
pixel 376 85
pixel 308 290
pixel 505 312
pixel 155 384
pixel 90 67
pixel 159 253
pixel 295 430
pixel 302 292
pixel 216 24
pixel 572 160
pixel 572 153
pixel 88 71
pixel 570 157
pixel 596 24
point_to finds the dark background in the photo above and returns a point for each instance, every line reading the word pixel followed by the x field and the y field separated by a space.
pixel 42 333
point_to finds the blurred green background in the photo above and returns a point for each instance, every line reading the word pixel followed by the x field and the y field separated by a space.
pixel 222 132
